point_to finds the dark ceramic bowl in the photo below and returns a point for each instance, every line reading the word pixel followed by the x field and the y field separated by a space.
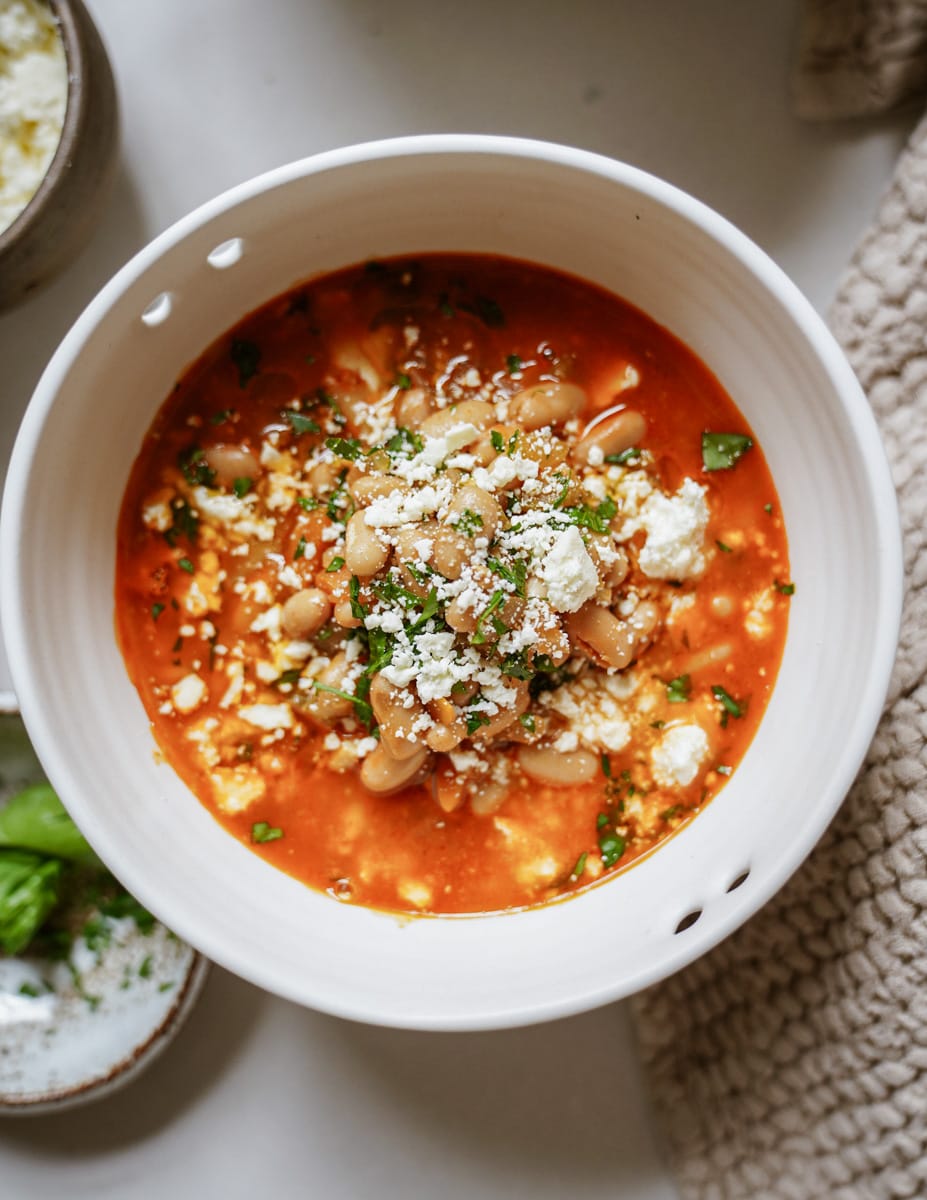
pixel 57 220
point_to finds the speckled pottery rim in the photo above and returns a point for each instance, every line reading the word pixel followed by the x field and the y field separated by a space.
pixel 133 1062
pixel 54 225
pixel 114 1043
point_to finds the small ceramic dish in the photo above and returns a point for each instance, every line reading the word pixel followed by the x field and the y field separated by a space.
pixel 75 1030
pixel 55 223
pixel 605 222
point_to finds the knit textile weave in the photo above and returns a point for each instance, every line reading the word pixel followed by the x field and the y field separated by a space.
pixel 859 56
pixel 790 1063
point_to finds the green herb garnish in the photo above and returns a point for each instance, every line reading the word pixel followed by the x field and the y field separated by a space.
pixel 623 457
pixel 611 846
pixel 469 522
pixel 299 422
pixel 498 441
pixel 349 448
pixel 720 451
pixel 246 356
pixel 475 721
pixel 513 363
pixel 728 703
pixel 678 690
pixel 335 565
pixel 186 565
pixel 156 611
pixel 784 589
pixel 262 832
pixel 242 486
pixel 196 470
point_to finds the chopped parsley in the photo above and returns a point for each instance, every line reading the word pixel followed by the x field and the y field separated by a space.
pixel 611 847
pixel 358 612
pixel 404 441
pixel 196 470
pixel 362 709
pixel 246 356
pixel 623 457
pixel 514 364
pixel 720 451
pixel 730 706
pixel 403 382
pixel 498 441
pixel 475 720
pixel 262 832
pixel 300 550
pixel 580 866
pixel 527 721
pixel 495 602
pixel 517 574
pixel 469 522
pixel 349 448
pixel 299 422
pixel 722 547
pixel 156 611
pixel 335 565
pixel 679 690
pixel 606 766
pixel 784 589
pixel 186 565
pixel 516 666
pixel 307 503
pixel 242 486
pixel 596 519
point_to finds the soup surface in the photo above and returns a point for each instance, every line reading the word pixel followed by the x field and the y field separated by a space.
pixel 451 585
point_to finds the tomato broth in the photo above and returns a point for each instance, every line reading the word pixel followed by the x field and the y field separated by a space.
pixel 451 584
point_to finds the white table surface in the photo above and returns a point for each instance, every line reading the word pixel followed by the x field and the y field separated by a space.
pixel 258 1097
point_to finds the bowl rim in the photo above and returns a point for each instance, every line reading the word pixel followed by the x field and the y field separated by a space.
pixel 855 409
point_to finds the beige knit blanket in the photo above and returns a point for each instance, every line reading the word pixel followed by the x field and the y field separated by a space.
pixel 791 1062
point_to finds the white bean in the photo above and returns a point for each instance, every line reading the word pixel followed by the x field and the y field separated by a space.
pixel 547 765
pixel 382 773
pixel 305 612
pixel 487 514
pixel 364 553
pixel 396 722
pixel 608 640
pixel 231 463
pixel 548 404
pixel 613 434
pixel 468 412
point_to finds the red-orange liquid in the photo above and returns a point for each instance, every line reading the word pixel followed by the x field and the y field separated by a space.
pixel 469 311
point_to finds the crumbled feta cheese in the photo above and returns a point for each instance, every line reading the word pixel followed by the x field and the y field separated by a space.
pixel 236 788
pixel 568 572
pixel 675 528
pixel 678 754
pixel 188 693
pixel 267 716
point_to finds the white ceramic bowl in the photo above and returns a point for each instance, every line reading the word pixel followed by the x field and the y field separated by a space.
pixel 602 220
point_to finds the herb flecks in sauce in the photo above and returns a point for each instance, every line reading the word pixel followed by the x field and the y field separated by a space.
pixel 400 567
